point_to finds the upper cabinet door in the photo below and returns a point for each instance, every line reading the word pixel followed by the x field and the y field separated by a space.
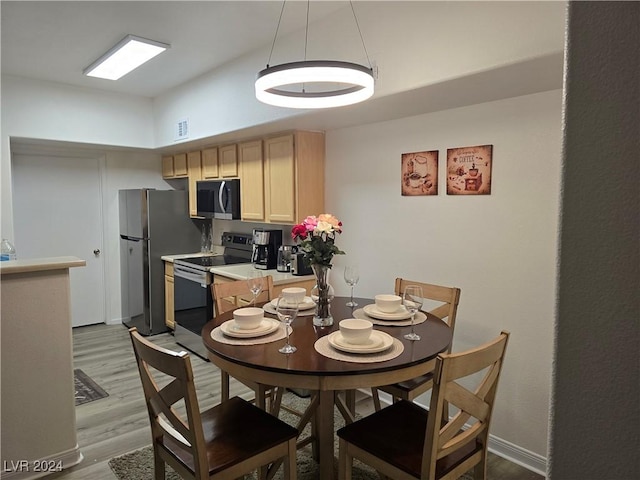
pixel 280 188
pixel 180 165
pixel 167 167
pixel 195 173
pixel 251 180
pixel 210 163
pixel 309 177
pixel 229 161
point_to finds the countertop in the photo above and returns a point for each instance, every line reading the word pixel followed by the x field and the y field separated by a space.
pixel 40 264
pixel 170 258
pixel 240 272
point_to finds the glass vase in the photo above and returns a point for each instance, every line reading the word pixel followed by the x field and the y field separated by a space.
pixel 322 294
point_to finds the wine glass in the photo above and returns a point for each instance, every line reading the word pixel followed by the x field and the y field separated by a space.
pixel 412 300
pixel 351 276
pixel 254 282
pixel 287 311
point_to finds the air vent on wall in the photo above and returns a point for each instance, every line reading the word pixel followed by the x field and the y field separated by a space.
pixel 182 129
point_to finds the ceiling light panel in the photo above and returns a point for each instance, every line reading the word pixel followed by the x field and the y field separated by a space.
pixel 127 55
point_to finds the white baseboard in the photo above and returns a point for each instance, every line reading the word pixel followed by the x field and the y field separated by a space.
pixel 518 455
pixel 114 321
pixel 507 450
pixel 31 469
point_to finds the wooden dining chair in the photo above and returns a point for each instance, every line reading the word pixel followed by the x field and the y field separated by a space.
pixel 229 296
pixel 406 441
pixel 226 441
pixel 447 299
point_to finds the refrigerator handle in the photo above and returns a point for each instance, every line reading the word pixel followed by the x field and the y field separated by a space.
pixel 131 239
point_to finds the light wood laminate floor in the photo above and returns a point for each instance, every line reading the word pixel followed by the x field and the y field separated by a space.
pixel 118 424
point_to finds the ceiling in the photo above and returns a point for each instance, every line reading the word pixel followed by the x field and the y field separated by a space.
pixel 55 41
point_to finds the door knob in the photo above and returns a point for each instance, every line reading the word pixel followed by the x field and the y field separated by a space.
pixel 96 252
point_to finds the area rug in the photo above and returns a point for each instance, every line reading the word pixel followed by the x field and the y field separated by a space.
pixel 138 465
pixel 86 389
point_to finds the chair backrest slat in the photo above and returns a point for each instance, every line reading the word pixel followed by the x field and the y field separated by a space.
pixel 157 366
pixel 236 290
pixel 475 403
pixel 449 296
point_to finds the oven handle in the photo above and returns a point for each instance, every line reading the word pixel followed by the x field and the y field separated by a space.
pixel 197 277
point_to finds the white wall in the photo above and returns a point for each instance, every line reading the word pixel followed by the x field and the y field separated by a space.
pixel 413 43
pixel 596 387
pixel 48 111
pixel 119 169
pixel 499 249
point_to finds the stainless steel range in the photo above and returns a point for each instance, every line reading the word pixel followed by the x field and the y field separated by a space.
pixel 192 298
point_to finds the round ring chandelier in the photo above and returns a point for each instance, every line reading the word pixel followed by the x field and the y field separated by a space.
pixel 314 83
pixel 352 83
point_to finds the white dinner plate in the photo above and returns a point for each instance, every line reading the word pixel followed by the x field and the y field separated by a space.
pixel 378 342
pixel 305 305
pixel 372 311
pixel 267 326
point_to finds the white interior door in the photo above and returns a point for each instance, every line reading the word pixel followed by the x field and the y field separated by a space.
pixel 57 203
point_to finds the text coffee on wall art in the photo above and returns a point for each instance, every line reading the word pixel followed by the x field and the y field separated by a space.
pixel 469 170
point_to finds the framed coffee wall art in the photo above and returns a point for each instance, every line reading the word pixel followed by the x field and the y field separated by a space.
pixel 420 173
pixel 469 170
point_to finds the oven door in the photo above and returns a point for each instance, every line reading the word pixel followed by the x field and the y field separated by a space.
pixel 193 306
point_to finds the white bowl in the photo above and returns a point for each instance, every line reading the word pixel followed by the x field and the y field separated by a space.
pixel 388 303
pixel 247 318
pixel 294 294
pixel 355 330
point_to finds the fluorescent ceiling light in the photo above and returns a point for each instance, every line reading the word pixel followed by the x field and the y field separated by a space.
pixel 126 55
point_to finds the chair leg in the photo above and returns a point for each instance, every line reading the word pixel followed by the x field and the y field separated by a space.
pixel 376 399
pixel 480 470
pixel 350 401
pixel 158 465
pixel 275 400
pixel 290 468
pixel 345 462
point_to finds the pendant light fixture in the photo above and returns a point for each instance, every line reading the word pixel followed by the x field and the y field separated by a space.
pixel 314 83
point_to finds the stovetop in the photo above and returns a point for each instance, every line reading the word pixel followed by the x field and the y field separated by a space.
pixel 238 249
pixel 213 261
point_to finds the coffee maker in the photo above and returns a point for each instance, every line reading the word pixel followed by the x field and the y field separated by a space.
pixel 265 248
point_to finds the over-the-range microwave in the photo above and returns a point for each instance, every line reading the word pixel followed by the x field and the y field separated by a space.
pixel 218 199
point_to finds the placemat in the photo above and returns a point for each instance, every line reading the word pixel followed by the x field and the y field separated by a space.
pixel 267 307
pixel 323 347
pixel 359 313
pixel 279 334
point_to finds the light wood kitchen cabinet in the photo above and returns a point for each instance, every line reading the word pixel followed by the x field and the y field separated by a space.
pixel 251 180
pixel 229 161
pixel 169 317
pixel 293 176
pixel 194 166
pixel 174 166
pixel 167 167
pixel 210 163
pixel 282 177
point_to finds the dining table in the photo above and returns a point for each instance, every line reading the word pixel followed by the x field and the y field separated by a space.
pixel 318 367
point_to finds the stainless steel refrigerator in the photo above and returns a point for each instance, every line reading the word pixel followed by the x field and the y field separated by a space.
pixel 152 223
